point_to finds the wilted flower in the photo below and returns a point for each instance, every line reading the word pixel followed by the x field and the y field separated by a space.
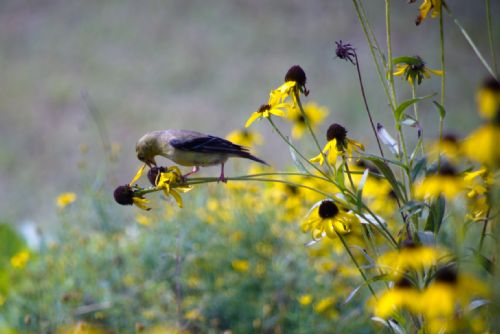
pixel 413 70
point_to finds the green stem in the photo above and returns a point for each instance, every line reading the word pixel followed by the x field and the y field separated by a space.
pixel 366 105
pixel 372 48
pixel 471 43
pixel 483 231
pixel 490 36
pixel 415 111
pixel 389 51
pixel 362 273
pixel 443 79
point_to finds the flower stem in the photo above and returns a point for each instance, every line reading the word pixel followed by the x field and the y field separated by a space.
pixel 361 272
pixel 443 80
pixel 490 36
pixel 366 105
pixel 373 47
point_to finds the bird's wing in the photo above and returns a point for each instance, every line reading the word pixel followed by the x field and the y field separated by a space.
pixel 208 144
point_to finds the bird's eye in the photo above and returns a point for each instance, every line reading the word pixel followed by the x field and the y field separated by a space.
pixel 140 157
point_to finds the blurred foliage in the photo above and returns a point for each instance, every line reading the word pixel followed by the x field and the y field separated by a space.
pixel 235 265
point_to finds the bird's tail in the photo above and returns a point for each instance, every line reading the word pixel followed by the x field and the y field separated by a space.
pixel 247 155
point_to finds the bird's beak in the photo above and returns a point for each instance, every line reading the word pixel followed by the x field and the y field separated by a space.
pixel 151 162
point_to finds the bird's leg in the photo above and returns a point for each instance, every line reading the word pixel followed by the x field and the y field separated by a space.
pixel 195 170
pixel 222 178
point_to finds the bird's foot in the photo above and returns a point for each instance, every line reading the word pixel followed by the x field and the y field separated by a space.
pixel 222 179
pixel 195 170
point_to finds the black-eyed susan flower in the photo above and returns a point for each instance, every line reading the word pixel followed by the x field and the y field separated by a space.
pixel 313 113
pixel 327 218
pixel 446 299
pixel 414 70
pixel 477 195
pixel 337 144
pixel 125 194
pixel 432 6
pixel 409 257
pixel 488 99
pixel 245 137
pixel 446 182
pixel 482 145
pixel 449 147
pixel 266 110
pixel 170 181
pixel 65 199
pixel 296 74
pixel 402 296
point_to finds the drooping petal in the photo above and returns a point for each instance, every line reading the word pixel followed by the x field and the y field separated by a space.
pixel 138 174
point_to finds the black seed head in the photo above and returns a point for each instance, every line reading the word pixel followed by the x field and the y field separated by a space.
pixel 336 131
pixel 403 283
pixel 124 195
pixel 297 74
pixel 153 174
pixel 447 275
pixel 328 209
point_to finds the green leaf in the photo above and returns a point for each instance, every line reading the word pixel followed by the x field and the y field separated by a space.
pixel 398 113
pixel 389 175
pixel 436 215
pixel 440 109
pixel 418 168
pixel 300 166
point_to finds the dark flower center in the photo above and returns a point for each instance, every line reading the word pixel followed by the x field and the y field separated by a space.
pixel 447 275
pixel 492 84
pixel 264 107
pixel 403 283
pixel 292 189
pixel 407 243
pixel 153 174
pixel 336 131
pixel 447 170
pixel 451 138
pixel 301 119
pixel 124 195
pixel 297 74
pixel 328 209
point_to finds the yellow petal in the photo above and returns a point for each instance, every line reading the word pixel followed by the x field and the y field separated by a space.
pixel 177 197
pixel 138 174
pixel 252 118
pixel 141 203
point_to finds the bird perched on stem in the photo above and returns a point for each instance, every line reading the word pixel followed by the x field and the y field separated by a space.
pixel 190 148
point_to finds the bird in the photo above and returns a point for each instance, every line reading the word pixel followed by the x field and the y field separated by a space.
pixel 190 148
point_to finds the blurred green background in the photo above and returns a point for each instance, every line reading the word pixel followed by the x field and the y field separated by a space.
pixel 202 65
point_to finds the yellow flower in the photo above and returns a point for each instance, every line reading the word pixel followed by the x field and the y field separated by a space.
pixel 81 327
pixel 410 256
pixel 280 94
pixel 488 99
pixel 172 176
pixel 245 138
pixel 402 296
pixel 143 220
pixel 448 146
pixel 324 304
pixel 414 70
pixel 447 183
pixel 266 110
pixel 241 266
pixel 20 259
pixel 326 218
pixel 448 297
pixel 65 199
pixel 427 6
pixel 305 299
pixel 337 144
pixel 312 113
pixel 482 145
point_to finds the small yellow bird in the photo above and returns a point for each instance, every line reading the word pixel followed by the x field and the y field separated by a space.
pixel 190 148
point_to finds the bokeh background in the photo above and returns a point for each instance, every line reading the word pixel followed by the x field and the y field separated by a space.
pixel 202 65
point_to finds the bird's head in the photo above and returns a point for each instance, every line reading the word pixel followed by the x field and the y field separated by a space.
pixel 146 149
